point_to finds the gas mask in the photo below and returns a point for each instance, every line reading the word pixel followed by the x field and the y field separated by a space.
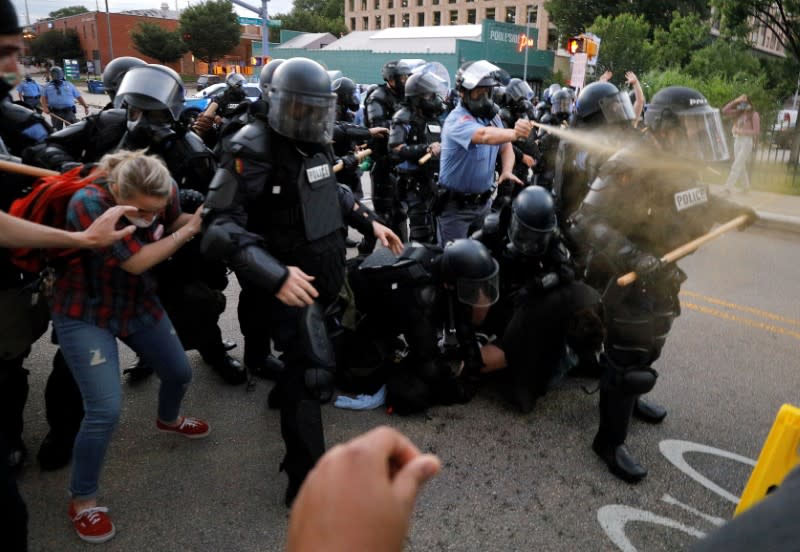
pixel 148 128
pixel 482 107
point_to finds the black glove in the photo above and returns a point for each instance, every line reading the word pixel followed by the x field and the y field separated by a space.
pixel 350 161
pixel 645 265
pixel 190 200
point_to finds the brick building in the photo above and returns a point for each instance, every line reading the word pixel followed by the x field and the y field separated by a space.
pixel 92 28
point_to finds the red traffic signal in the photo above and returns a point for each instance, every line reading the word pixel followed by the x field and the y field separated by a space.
pixel 575 45
pixel 187 36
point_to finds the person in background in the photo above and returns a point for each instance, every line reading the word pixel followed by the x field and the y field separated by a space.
pixel 88 328
pixel 58 99
pixel 29 92
pixel 746 128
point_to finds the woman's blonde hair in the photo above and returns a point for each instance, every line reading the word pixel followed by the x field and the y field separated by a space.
pixel 136 173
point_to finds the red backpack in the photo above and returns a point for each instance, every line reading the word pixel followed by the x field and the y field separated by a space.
pixel 47 204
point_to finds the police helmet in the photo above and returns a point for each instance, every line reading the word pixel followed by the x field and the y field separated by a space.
pixel 234 80
pixel 56 73
pixel 346 93
pixel 477 73
pixel 152 88
pixel 115 70
pixel 533 221
pixel 547 95
pixel 265 78
pixel 602 102
pixel 426 91
pixel 395 70
pixel 561 104
pixel 697 126
pixel 518 90
pixel 468 266
pixel 302 106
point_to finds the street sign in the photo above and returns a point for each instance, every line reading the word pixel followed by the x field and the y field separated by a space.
pixel 249 21
pixel 274 23
pixel 578 70
pixel 72 70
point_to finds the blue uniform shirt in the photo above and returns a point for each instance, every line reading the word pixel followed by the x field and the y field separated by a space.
pixel 29 89
pixel 61 97
pixel 466 167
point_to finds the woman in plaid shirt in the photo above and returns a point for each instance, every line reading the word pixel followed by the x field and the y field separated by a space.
pixel 108 294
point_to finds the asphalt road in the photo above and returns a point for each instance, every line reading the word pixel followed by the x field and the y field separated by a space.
pixel 510 482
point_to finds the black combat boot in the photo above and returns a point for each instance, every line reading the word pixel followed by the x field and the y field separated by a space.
pixel 648 411
pixel 301 429
pixel 229 368
pixel 609 443
pixel 64 409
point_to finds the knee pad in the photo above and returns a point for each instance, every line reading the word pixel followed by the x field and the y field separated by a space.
pixel 639 381
pixel 319 383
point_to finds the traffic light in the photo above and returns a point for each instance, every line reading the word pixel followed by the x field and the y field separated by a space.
pixel 575 45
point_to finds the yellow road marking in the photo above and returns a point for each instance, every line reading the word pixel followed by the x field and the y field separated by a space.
pixel 732 317
pixel 751 310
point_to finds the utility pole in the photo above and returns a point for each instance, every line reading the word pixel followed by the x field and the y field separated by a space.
pixel 264 25
pixel 527 36
pixel 27 15
pixel 110 41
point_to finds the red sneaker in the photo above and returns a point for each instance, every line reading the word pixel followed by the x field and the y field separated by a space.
pixel 193 428
pixel 92 524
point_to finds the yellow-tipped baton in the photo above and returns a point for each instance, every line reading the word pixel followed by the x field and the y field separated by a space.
pixel 689 247
pixel 360 155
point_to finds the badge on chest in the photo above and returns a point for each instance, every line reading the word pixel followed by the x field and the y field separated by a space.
pixel 689 198
pixel 320 172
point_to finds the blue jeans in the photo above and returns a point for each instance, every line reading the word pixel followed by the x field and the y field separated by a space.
pixel 92 355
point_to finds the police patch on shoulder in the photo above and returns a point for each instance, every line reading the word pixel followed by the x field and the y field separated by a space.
pixel 465 118
pixel 238 165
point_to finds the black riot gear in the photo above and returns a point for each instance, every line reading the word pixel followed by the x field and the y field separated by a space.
pixel 469 267
pixel 115 71
pixel 302 106
pixel 265 79
pixel 561 105
pixel 533 221
pixel 235 80
pixel 693 128
pixel 395 72
pixel 426 91
pixel 602 102
pixel 152 88
pixel 346 94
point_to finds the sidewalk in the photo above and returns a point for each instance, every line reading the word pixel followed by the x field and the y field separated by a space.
pixel 776 211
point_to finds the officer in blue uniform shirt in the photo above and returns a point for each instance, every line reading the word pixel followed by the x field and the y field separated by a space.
pixel 59 98
pixel 472 137
pixel 29 92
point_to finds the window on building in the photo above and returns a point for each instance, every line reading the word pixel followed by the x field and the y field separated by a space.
pixel 403 3
pixel 420 2
pixel 489 13
pixel 471 17
pixel 435 2
pixel 511 14
pixel 352 5
pixel 390 3
pixel 352 23
pixel 552 39
pixel 391 21
pixel 377 4
pixel 437 18
pixel 532 13
pixel 451 1
pixel 454 17
pixel 405 20
pixel 420 19
pixel 363 5
pixel 378 22
pixel 365 23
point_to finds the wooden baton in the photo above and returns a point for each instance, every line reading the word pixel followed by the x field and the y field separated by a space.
pixel 28 170
pixel 359 156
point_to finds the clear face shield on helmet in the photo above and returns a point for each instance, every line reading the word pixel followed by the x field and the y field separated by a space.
pixel 479 293
pixel 701 136
pixel 151 89
pixel 531 242
pixel 430 89
pixel 617 108
pixel 303 117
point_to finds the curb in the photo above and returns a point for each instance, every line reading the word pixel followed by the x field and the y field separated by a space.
pixel 773 221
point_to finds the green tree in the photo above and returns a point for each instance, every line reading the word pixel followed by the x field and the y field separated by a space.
pixel 158 43
pixel 57 45
pixel 725 58
pixel 779 16
pixel 313 16
pixel 66 12
pixel 660 13
pixel 673 47
pixel 571 17
pixel 210 29
pixel 330 9
pixel 625 45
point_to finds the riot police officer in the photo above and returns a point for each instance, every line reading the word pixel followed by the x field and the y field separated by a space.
pixel 605 112
pixel 379 106
pixel 415 132
pixel 662 210
pixel 516 104
pixel 560 110
pixel 275 215
pixel 545 315
pixel 114 72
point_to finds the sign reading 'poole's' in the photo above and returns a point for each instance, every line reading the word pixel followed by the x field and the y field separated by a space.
pixel 503 36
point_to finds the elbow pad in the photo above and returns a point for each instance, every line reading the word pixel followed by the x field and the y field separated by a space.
pixel 360 218
pixel 413 153
pixel 255 266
